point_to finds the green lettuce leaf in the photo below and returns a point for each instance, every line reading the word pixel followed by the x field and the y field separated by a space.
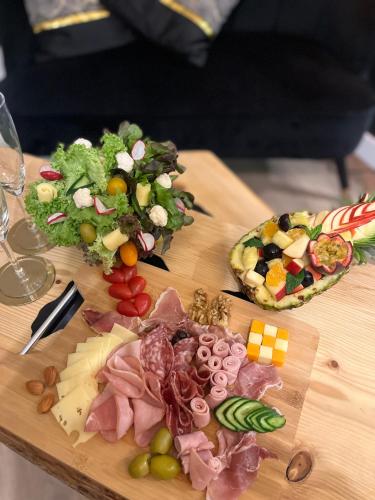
pixel 97 251
pixel 164 197
pixel 111 145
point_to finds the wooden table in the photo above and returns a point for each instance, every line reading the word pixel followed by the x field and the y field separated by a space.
pixel 336 424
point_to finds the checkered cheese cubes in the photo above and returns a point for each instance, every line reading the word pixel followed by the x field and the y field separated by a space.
pixel 267 344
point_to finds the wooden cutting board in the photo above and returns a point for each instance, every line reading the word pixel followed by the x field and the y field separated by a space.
pixel 99 469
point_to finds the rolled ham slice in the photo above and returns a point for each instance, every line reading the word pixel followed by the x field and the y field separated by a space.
pixel 201 412
pixel 214 363
pixel 207 339
pixel 231 364
pixel 194 440
pixel 221 349
pixel 203 355
pixel 219 378
pixel 216 396
pixel 238 350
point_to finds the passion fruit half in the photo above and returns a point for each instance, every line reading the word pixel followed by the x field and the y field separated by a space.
pixel 330 253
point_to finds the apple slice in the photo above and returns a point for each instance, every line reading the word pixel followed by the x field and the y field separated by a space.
pixel 277 292
pixel 328 220
pixel 347 216
pixel 295 266
pixel 370 207
pixel 320 217
pixel 359 211
pixel 297 249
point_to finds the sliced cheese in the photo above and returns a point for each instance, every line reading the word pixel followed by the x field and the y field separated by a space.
pixel 76 369
pixel 67 386
pixel 72 411
pixel 122 332
pixel 87 346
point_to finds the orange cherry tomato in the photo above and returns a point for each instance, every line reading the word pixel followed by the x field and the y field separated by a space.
pixel 116 185
pixel 129 253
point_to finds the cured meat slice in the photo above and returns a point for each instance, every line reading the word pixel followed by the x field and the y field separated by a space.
pixel 219 378
pixel 201 471
pixel 184 352
pixel 157 355
pixel 238 350
pixel 216 396
pixel 177 416
pixel 254 379
pixel 203 355
pixel 232 364
pixel 241 458
pixel 201 412
pixel 200 375
pixel 149 411
pixel 110 414
pixel 221 349
pixel 125 375
pixel 214 363
pixel 168 310
pixel 184 387
pixel 103 323
pixel 195 440
pixel 207 339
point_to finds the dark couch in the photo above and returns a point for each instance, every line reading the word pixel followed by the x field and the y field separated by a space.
pixel 284 78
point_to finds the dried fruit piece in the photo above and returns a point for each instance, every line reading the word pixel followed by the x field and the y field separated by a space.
pixel 50 375
pixel 46 403
pixel 35 387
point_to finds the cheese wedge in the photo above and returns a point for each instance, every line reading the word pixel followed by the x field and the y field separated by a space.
pixel 72 411
pixel 125 334
pixel 67 386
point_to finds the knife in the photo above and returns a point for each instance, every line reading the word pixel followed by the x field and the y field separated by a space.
pixel 51 317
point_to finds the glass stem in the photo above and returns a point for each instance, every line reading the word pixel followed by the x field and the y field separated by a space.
pixel 40 238
pixel 13 260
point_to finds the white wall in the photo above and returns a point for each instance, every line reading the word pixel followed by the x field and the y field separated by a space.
pixel 2 69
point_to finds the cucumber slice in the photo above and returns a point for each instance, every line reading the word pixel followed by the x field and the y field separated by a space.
pixel 265 420
pixel 82 182
pixel 230 415
pixel 242 411
pixel 219 412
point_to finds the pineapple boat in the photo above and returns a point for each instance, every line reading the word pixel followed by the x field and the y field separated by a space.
pixel 286 261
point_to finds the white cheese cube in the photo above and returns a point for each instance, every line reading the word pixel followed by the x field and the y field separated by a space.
pixel 281 345
pixel 270 330
pixel 265 355
pixel 255 338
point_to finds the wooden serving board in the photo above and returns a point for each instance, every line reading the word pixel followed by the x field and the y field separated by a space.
pixel 99 469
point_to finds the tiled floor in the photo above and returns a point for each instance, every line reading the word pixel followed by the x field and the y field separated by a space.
pixel 286 185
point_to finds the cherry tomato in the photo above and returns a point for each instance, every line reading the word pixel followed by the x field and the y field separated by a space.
pixel 117 276
pixel 127 308
pixel 129 253
pixel 137 285
pixel 142 302
pixel 116 185
pixel 120 291
pixel 129 272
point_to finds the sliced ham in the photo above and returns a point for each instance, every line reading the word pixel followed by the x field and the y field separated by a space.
pixel 219 377
pixel 254 379
pixel 103 323
pixel 214 363
pixel 195 440
pixel 110 414
pixel 238 350
pixel 205 455
pixel 207 339
pixel 220 348
pixel 216 396
pixel 203 355
pixel 201 412
pixel 202 472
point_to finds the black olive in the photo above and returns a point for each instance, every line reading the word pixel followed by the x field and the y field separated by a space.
pixel 261 268
pixel 284 222
pixel 271 251
pixel 179 335
pixel 308 279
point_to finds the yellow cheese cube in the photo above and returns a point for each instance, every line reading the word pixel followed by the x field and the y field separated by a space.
pixel 253 351
pixel 282 334
pixel 281 345
pixel 265 355
pixel 257 326
pixel 255 338
pixel 270 330
pixel 278 358
pixel 268 341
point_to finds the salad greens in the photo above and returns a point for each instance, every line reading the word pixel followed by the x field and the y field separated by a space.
pixel 96 169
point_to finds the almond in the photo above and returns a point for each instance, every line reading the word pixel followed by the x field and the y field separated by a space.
pixel 46 403
pixel 50 375
pixel 35 387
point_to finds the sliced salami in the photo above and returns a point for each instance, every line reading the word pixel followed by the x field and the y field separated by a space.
pixel 157 354
pixel 184 351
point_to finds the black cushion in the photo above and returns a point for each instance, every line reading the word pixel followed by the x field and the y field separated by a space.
pixel 259 95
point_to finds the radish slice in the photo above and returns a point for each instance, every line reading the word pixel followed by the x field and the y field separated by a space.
pixel 48 173
pixel 138 150
pixel 100 208
pixel 147 241
pixel 180 205
pixel 57 217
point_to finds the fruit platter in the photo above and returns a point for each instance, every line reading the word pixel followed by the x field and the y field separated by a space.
pixel 287 260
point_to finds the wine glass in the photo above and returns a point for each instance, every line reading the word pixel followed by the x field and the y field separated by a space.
pixel 25 279
pixel 24 237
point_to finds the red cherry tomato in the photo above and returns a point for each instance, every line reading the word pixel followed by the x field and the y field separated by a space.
pixel 127 308
pixel 120 291
pixel 129 272
pixel 142 302
pixel 137 285
pixel 117 276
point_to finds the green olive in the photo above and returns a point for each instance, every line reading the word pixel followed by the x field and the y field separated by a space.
pixel 140 465
pixel 164 467
pixel 87 232
pixel 162 442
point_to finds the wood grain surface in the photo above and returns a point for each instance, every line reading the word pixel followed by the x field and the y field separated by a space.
pixel 336 423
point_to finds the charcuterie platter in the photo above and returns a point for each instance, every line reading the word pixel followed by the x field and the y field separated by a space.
pixel 98 461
